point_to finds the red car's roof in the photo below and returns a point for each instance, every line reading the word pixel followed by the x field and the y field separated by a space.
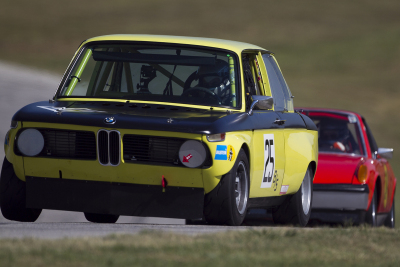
pixel 328 110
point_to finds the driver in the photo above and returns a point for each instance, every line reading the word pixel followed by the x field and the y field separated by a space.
pixel 215 78
pixel 211 76
pixel 334 135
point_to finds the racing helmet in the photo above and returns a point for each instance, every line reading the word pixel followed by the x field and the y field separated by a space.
pixel 212 76
pixel 331 131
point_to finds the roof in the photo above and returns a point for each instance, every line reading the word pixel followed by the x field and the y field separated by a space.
pixel 329 110
pixel 201 41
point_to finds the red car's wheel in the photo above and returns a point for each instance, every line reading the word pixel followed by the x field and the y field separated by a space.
pixel 389 222
pixel 371 213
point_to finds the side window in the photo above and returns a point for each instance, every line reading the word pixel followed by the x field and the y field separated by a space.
pixel 250 85
pixel 371 139
pixel 279 89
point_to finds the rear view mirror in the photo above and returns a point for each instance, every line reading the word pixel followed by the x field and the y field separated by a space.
pixel 261 102
pixel 386 153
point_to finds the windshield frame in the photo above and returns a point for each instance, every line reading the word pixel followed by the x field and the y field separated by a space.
pixel 79 54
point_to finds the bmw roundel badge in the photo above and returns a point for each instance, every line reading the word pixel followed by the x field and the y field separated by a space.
pixel 110 120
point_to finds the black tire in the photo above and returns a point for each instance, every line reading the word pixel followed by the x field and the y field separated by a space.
pixel 13 196
pixel 227 203
pixel 101 218
pixel 370 217
pixel 296 209
pixel 389 222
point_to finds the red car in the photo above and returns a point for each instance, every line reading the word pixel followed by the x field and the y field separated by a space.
pixel 354 181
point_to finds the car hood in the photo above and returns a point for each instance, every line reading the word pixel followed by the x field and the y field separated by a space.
pixel 334 168
pixel 143 116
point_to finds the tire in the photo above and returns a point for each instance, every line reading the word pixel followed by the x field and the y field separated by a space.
pixel 13 196
pixel 227 203
pixel 101 218
pixel 370 217
pixel 389 222
pixel 296 209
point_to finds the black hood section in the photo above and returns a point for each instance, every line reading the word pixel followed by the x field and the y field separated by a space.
pixel 146 117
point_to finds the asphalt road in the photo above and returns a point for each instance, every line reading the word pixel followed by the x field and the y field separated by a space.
pixel 20 86
pixel 74 230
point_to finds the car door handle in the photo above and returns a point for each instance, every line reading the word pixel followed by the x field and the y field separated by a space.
pixel 279 122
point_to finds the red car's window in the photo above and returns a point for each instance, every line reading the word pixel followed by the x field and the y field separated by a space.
pixel 337 133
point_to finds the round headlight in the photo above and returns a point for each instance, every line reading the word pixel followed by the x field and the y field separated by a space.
pixel 192 154
pixel 30 142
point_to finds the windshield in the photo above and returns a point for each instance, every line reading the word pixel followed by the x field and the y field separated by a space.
pixel 154 73
pixel 337 133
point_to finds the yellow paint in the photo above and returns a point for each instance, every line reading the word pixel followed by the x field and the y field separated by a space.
pixel 232 79
pixel 301 148
pixel 385 186
pixel 78 72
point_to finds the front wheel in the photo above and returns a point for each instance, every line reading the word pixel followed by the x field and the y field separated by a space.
pixel 371 213
pixel 389 222
pixel 296 209
pixel 13 196
pixel 101 218
pixel 227 203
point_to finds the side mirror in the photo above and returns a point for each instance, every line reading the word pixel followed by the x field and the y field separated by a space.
pixel 386 153
pixel 261 102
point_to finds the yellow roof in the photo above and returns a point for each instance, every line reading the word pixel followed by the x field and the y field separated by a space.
pixel 209 42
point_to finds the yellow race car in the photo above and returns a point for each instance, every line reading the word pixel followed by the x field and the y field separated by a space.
pixel 163 126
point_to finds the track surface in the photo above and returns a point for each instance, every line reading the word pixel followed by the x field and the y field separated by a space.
pixel 20 86
pixel 73 230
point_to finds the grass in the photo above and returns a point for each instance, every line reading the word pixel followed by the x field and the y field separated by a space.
pixel 339 54
pixel 362 246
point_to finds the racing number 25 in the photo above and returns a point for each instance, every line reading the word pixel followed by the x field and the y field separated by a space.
pixel 269 161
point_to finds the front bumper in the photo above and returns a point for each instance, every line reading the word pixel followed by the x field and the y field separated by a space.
pixel 340 197
pixel 114 198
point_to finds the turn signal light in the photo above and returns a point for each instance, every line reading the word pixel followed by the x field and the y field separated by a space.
pixel 362 174
pixel 216 137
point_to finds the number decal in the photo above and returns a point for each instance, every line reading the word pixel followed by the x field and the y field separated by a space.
pixel 269 161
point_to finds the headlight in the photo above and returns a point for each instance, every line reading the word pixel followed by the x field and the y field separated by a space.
pixel 192 154
pixel 30 142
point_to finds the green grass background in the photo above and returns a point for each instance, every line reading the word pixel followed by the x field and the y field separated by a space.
pixel 267 247
pixel 338 54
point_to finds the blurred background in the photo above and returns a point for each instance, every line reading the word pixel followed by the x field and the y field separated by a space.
pixel 338 54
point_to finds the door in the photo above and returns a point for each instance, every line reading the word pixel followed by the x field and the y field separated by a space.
pixel 268 147
pixel 298 141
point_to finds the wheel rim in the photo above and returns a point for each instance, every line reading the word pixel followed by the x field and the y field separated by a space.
pixel 373 212
pixel 306 193
pixel 241 187
pixel 392 216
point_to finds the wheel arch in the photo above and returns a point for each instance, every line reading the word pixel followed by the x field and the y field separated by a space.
pixel 376 186
pixel 246 150
pixel 313 166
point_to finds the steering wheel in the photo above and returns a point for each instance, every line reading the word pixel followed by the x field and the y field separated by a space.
pixel 189 80
pixel 201 92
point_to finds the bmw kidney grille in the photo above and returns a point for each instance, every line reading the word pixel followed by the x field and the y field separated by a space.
pixel 109 147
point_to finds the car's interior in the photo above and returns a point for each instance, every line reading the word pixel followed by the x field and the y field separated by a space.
pixel 337 133
pixel 154 73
